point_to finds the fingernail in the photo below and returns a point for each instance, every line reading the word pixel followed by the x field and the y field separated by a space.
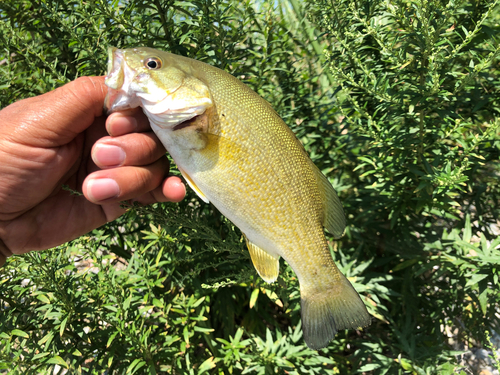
pixel 108 155
pixel 102 188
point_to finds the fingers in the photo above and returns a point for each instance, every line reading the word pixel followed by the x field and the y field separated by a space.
pixel 128 149
pixel 145 184
pixel 131 142
pixel 124 183
pixel 133 163
pixel 171 190
pixel 124 122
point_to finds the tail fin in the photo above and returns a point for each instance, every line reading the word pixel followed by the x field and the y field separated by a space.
pixel 324 312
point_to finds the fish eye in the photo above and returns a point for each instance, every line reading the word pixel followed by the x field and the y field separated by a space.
pixel 153 63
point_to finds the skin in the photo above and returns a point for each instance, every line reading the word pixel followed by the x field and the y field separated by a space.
pixel 60 138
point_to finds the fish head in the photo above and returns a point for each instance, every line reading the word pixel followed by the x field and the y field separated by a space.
pixel 165 86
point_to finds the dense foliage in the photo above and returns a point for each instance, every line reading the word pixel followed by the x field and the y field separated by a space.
pixel 396 101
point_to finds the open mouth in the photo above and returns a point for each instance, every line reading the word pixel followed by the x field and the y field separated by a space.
pixel 114 81
pixel 117 79
pixel 115 74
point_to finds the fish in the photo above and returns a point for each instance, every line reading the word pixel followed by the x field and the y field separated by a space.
pixel 235 152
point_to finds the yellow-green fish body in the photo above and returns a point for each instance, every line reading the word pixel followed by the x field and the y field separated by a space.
pixel 236 152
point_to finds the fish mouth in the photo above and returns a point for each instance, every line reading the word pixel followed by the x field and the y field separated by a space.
pixel 117 79
pixel 117 100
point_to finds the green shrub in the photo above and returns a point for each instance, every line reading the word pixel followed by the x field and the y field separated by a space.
pixel 404 121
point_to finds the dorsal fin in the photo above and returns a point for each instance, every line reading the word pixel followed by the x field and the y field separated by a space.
pixel 334 219
pixel 193 186
pixel 267 266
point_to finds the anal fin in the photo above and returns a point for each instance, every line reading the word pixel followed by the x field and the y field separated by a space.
pixel 267 266
pixel 193 186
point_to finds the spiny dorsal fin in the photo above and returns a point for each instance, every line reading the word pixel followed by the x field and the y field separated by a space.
pixel 193 186
pixel 334 220
pixel 267 266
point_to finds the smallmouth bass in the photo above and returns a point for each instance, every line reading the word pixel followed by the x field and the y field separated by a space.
pixel 237 153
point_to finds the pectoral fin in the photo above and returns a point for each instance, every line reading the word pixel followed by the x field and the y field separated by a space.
pixel 267 266
pixel 193 186
pixel 334 219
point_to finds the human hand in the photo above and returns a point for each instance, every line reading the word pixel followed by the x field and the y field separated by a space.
pixel 59 138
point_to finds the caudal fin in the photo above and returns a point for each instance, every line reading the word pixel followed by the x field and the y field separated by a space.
pixel 325 312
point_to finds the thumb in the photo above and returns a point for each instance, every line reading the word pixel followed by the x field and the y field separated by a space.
pixel 57 117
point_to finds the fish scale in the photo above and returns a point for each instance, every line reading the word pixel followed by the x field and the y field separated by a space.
pixel 236 152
